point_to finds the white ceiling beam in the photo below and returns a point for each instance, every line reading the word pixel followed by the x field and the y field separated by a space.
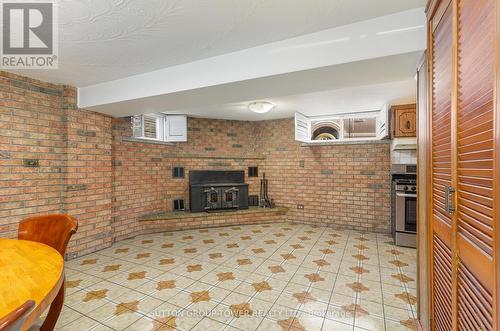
pixel 384 36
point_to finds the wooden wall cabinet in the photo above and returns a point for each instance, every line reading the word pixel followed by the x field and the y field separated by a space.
pixel 404 121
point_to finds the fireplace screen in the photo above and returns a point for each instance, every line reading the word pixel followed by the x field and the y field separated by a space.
pixel 213 189
pixel 212 198
pixel 230 198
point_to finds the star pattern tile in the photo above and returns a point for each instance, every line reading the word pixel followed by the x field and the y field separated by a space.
pixel 165 284
pixel 241 309
pixel 200 296
pixel 95 295
pixel 304 297
pixel 126 308
pixel 262 286
pixel 113 267
pixel 272 276
pixel 223 276
pixel 72 283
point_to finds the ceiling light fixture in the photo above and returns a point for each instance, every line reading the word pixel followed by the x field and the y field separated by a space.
pixel 260 107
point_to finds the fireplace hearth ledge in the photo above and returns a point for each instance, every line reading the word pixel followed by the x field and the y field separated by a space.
pixel 230 213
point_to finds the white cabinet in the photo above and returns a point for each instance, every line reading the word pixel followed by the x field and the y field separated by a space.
pixel 175 128
pixel 302 127
pixel 160 127
pixel 372 125
pixel 148 126
pixel 383 123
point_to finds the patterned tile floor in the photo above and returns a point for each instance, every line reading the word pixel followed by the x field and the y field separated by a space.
pixel 255 277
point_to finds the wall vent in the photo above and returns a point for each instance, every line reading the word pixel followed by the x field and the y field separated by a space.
pixel 253 200
pixel 253 172
pixel 178 172
pixel 179 204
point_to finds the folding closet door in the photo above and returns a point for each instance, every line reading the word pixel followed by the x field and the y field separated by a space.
pixel 464 163
pixel 475 75
pixel 440 49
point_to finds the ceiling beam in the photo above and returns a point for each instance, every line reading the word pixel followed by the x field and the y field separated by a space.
pixel 399 33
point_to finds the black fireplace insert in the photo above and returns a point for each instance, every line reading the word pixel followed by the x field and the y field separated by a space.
pixel 215 190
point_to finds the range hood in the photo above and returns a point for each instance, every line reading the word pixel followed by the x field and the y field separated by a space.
pixel 399 144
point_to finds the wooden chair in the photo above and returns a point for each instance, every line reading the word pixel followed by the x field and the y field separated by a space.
pixel 54 231
pixel 14 320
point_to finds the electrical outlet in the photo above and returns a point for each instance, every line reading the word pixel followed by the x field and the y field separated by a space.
pixel 31 163
pixel 299 206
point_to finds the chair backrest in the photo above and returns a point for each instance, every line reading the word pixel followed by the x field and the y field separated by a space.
pixel 14 320
pixel 52 230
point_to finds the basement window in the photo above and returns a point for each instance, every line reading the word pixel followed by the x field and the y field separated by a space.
pixel 160 127
pixel 360 128
pixel 340 128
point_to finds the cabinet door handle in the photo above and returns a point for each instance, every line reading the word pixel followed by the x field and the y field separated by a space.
pixel 408 125
pixel 448 199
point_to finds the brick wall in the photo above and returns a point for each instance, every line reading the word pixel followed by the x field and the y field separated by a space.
pixel 88 167
pixel 143 180
pixel 88 177
pixel 344 185
pixel 70 155
pixel 32 127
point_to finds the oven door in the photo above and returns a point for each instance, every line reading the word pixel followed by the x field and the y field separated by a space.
pixel 406 212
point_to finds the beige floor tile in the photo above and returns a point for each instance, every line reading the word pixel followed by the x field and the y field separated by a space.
pixel 102 327
pixel 144 324
pixel 291 275
pixel 164 287
pixel 370 323
pixel 116 316
pixel 342 314
pixel 67 316
pixel 82 323
pixel 307 322
pixel 269 325
pixel 85 301
pixel 165 310
pixel 208 324
pixel 279 312
pixel 330 325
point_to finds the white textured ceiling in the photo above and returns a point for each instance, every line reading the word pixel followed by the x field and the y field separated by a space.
pixel 103 40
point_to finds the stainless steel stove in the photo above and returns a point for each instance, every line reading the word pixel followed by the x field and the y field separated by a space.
pixel 404 204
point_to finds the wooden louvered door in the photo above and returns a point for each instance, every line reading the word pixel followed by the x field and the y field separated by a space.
pixel 464 163
pixel 441 43
pixel 474 187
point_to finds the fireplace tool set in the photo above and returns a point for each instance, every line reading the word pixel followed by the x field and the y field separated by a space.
pixel 265 202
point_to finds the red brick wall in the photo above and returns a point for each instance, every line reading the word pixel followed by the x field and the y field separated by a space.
pixel 39 121
pixel 339 185
pixel 345 186
pixel 88 177
pixel 89 168
pixel 32 126
pixel 143 180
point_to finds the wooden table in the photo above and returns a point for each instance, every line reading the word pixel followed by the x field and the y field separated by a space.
pixel 28 270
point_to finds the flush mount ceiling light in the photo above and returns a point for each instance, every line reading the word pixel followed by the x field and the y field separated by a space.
pixel 260 107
